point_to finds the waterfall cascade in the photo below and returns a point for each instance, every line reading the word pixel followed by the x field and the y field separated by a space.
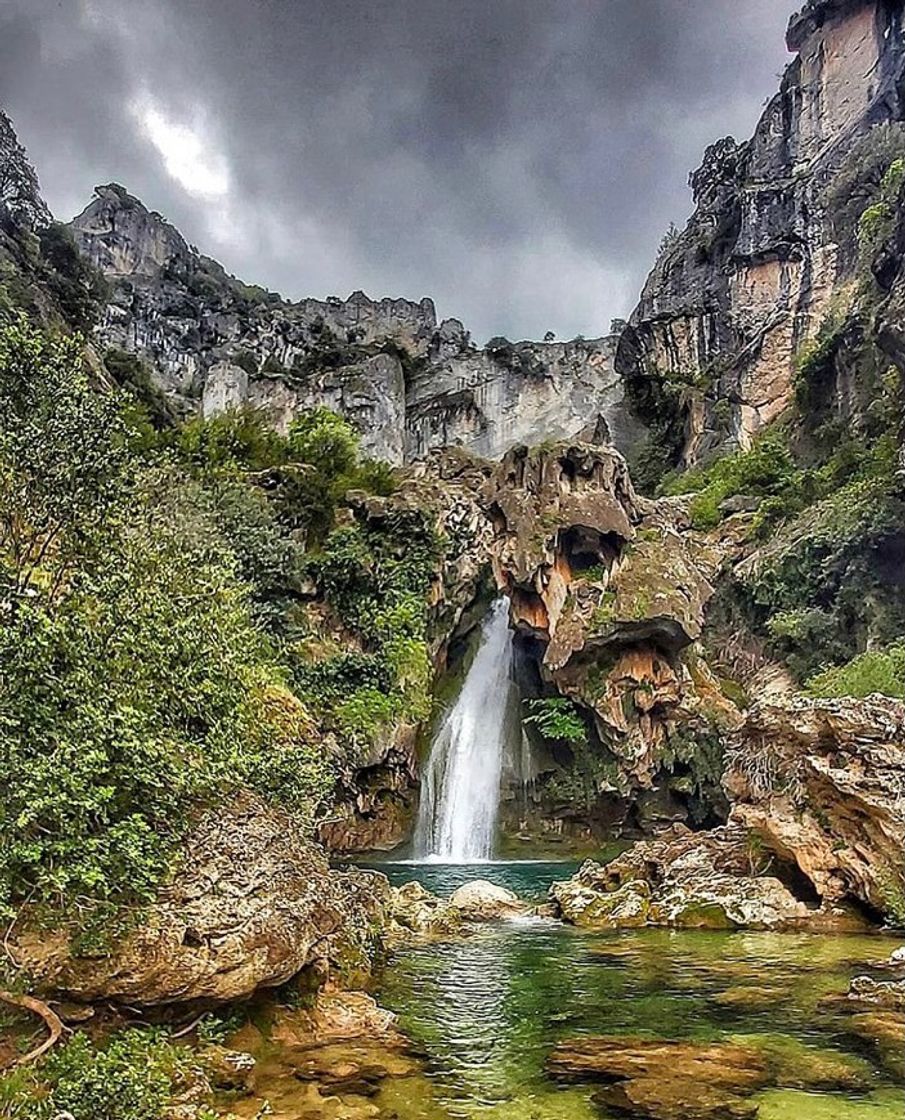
pixel 460 791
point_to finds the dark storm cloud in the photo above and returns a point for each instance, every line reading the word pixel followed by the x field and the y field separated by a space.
pixel 518 160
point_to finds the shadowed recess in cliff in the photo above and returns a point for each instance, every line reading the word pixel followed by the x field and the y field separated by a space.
pixel 461 788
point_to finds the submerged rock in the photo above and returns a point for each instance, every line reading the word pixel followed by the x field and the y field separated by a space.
pixel 878 1017
pixel 682 879
pixel 657 1079
pixel 661 1080
pixel 888 994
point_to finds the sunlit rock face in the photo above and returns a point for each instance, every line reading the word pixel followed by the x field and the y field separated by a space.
pixel 409 383
pixel 733 298
pixel 492 399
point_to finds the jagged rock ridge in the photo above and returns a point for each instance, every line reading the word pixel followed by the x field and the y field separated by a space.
pixel 408 383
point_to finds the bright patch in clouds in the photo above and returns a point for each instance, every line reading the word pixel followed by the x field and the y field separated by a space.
pixel 188 156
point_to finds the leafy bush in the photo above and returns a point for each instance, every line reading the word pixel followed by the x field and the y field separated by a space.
pixel 859 182
pixel 377 579
pixel 64 463
pixel 236 440
pixel 134 1077
pixel 324 440
pixel 134 678
pixel 131 374
pixel 814 369
pixel 557 719
pixel 876 222
pixel 767 469
pixel 78 288
pixel 881 671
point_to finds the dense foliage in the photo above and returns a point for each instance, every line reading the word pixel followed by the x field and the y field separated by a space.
pixel 376 579
pixel 135 1076
pixel 877 670
pixel 557 719
pixel 151 604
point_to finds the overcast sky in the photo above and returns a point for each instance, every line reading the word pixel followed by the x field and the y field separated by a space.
pixel 517 160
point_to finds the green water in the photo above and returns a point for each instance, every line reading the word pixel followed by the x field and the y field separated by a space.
pixel 486 1011
pixel 529 879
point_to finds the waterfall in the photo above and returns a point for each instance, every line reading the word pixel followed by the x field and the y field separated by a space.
pixel 460 791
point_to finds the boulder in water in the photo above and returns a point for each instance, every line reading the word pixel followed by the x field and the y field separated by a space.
pixel 482 901
pixel 682 879
pixel 417 911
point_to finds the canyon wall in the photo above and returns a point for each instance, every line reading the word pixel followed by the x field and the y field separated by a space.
pixel 710 351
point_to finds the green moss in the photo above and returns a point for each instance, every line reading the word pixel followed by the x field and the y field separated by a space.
pixel 734 692
pixel 892 889
pixel 605 611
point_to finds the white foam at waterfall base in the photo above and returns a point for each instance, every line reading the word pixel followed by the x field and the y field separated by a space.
pixel 460 791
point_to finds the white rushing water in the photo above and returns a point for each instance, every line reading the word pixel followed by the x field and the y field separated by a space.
pixel 460 791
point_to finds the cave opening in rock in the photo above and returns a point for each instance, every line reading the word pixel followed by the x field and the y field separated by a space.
pixel 590 551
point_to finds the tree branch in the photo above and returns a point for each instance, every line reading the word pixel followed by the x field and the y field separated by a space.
pixel 38 1007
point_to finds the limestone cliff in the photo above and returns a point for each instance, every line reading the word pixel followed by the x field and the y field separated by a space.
pixel 710 351
pixel 608 594
pixel 407 382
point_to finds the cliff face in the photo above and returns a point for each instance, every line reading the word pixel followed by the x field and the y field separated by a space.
pixel 409 383
pixel 490 400
pixel 710 351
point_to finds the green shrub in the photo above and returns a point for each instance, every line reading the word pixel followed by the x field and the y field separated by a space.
pixel 131 374
pixel 858 183
pixel 767 469
pixel 876 671
pixel 876 222
pixel 557 719
pixel 814 369
pixel 236 440
pixel 135 680
pixel 78 288
pixel 134 1076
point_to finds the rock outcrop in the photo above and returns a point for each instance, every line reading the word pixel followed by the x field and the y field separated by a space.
pixel 511 393
pixel 377 790
pixel 822 784
pixel 251 904
pixel 684 880
pixel 816 828
pixel 608 593
pixel 710 351
pixel 409 383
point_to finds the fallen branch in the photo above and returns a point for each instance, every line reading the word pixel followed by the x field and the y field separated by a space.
pixel 37 1007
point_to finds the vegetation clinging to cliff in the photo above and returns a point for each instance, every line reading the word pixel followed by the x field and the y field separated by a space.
pixel 150 589
pixel 136 680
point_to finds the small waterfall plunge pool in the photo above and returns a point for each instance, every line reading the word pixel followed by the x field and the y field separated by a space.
pixel 486 1011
